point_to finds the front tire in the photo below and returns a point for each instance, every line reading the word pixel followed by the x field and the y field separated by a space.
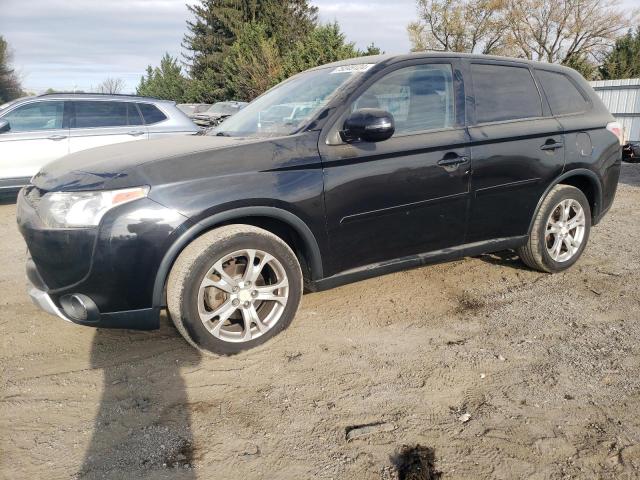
pixel 560 231
pixel 233 289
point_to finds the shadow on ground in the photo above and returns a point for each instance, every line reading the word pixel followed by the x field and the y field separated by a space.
pixel 505 258
pixel 630 174
pixel 143 425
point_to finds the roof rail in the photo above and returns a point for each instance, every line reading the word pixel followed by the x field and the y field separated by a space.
pixel 104 95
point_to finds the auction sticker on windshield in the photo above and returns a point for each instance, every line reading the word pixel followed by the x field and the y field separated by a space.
pixel 357 68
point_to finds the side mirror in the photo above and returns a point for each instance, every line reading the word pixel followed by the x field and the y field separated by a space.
pixel 4 126
pixel 369 125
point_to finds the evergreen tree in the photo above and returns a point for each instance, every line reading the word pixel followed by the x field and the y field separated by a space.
pixel 256 61
pixel 217 24
pixel 10 88
pixel 582 65
pixel 166 81
pixel 325 44
pixel 624 60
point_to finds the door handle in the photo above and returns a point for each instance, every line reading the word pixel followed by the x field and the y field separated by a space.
pixel 56 138
pixel 135 133
pixel 551 145
pixel 450 160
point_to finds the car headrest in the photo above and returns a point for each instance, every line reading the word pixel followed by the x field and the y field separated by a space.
pixel 427 82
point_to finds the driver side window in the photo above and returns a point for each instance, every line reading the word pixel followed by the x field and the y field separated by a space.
pixel 45 115
pixel 419 98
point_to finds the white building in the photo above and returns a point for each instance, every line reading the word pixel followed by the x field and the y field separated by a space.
pixel 622 98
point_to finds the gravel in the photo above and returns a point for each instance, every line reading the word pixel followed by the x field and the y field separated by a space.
pixel 543 367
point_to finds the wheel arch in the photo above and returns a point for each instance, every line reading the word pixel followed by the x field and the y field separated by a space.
pixel 276 220
pixel 583 179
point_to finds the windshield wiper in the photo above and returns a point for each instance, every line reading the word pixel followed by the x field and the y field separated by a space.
pixel 222 134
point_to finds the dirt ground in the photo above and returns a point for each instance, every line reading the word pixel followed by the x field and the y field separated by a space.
pixel 496 370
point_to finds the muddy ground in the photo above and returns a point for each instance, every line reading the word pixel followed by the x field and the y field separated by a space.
pixel 544 369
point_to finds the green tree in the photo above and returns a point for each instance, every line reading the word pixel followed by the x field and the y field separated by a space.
pixel 371 49
pixel 623 61
pixel 324 45
pixel 165 81
pixel 217 23
pixel 9 83
pixel 256 61
pixel 253 64
pixel 586 67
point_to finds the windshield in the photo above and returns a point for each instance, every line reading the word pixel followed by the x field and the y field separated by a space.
pixel 286 108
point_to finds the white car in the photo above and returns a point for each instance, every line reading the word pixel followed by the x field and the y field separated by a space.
pixel 37 130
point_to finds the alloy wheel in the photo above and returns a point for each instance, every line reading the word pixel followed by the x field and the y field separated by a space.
pixel 243 295
pixel 565 230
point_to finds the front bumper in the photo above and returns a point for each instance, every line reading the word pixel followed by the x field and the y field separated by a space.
pixel 142 319
pixel 108 271
pixel 42 299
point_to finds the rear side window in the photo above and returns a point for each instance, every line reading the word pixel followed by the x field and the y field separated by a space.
pixel 100 114
pixel 36 116
pixel 151 113
pixel 562 94
pixel 504 93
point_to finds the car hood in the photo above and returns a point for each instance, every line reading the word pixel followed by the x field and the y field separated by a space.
pixel 94 168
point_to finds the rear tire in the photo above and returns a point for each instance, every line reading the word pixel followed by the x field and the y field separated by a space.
pixel 560 231
pixel 233 289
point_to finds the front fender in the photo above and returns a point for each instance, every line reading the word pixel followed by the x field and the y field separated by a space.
pixel 205 224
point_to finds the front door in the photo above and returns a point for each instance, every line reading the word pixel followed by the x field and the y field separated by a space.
pixel 406 195
pixel 37 135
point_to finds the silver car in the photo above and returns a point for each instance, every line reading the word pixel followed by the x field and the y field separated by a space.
pixel 217 113
pixel 37 130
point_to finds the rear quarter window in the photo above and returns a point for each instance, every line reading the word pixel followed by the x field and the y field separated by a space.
pixel 563 96
pixel 151 113
pixel 504 93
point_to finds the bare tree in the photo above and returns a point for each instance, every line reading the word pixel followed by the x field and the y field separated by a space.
pixel 472 26
pixel 111 85
pixel 559 30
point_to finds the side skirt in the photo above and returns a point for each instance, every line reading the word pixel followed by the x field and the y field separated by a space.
pixel 415 261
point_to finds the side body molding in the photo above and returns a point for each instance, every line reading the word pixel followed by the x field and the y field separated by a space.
pixel 292 220
pixel 578 172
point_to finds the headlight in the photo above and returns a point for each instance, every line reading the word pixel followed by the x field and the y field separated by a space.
pixel 83 209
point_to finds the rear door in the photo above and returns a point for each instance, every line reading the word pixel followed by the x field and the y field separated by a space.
pixel 38 134
pixel 406 195
pixel 517 149
pixel 571 107
pixel 103 122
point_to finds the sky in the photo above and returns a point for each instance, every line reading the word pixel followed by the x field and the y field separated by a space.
pixel 76 44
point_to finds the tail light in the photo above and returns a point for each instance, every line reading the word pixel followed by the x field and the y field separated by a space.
pixel 617 130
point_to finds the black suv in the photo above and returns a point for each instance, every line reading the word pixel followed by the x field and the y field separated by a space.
pixel 343 172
